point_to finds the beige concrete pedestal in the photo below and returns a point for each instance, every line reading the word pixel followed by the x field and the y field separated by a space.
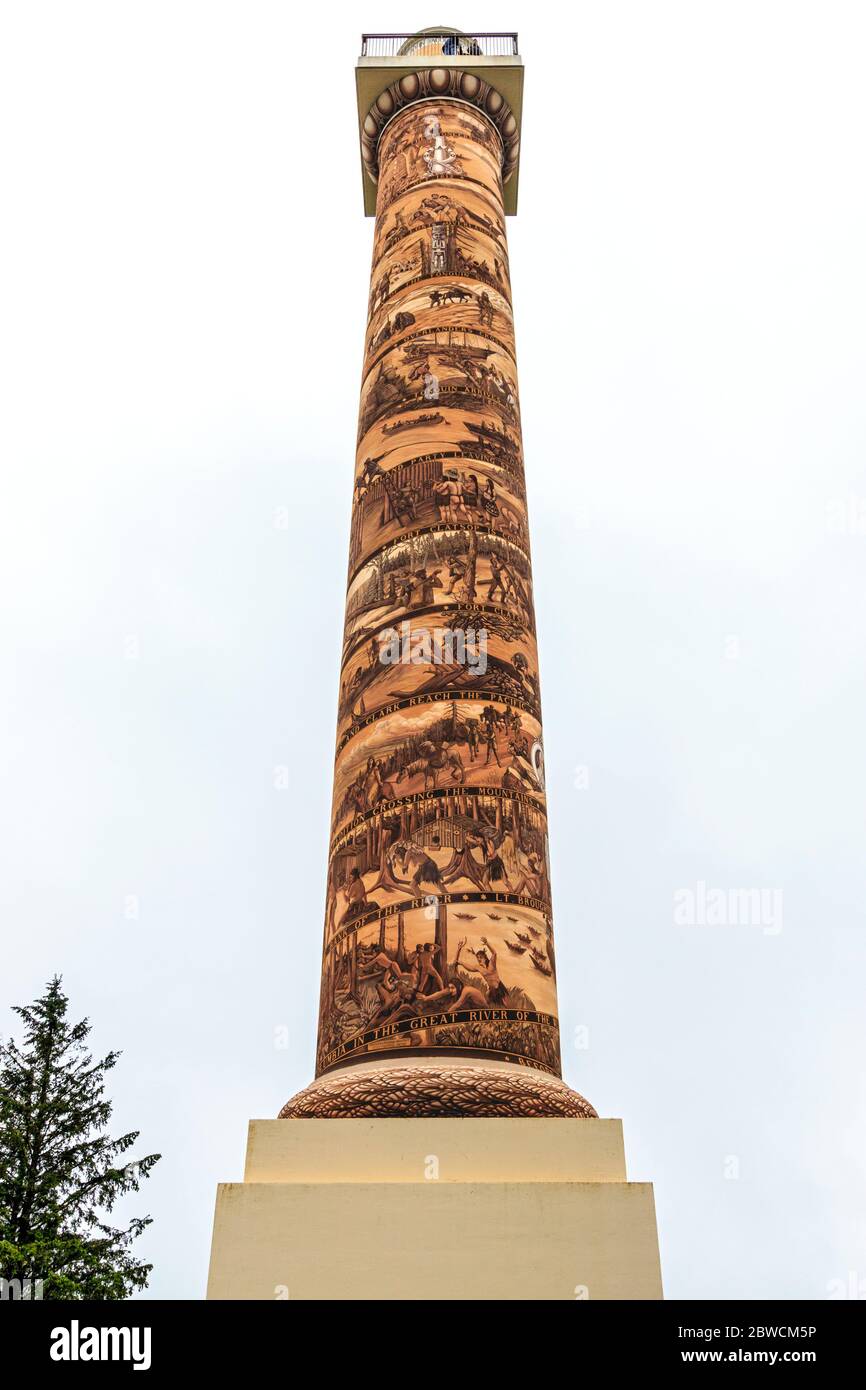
pixel 435 1209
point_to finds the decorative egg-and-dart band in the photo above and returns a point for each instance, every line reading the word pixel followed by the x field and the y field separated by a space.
pixel 436 83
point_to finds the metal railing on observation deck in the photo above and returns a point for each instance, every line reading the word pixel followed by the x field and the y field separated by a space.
pixel 434 45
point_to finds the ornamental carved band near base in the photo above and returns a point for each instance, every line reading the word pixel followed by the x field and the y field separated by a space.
pixel 427 1092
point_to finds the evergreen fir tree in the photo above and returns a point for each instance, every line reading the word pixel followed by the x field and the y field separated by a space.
pixel 60 1171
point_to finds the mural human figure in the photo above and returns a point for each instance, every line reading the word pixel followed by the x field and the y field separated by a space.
pixel 355 893
pixel 426 970
pixel 485 964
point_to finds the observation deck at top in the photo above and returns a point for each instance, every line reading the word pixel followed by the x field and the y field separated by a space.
pixel 484 69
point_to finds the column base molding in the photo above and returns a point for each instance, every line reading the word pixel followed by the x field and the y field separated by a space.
pixel 429 1090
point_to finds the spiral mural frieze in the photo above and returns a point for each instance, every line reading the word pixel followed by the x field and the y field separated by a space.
pixel 438 928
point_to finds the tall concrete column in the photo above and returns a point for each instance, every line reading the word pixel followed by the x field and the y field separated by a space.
pixel 442 1155
pixel 439 970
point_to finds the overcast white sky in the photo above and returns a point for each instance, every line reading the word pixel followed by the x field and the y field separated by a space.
pixel 183 281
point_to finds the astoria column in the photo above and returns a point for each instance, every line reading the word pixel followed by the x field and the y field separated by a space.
pixel 438 990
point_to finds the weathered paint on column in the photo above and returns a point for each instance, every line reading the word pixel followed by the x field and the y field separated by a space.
pixel 438 932
pixel 438 938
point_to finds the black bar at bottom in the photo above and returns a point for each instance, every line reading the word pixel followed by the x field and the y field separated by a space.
pixel 58 1339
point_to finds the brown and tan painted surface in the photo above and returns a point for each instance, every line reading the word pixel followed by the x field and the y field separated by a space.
pixel 438 935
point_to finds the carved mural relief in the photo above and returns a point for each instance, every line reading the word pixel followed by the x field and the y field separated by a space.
pixel 438 933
